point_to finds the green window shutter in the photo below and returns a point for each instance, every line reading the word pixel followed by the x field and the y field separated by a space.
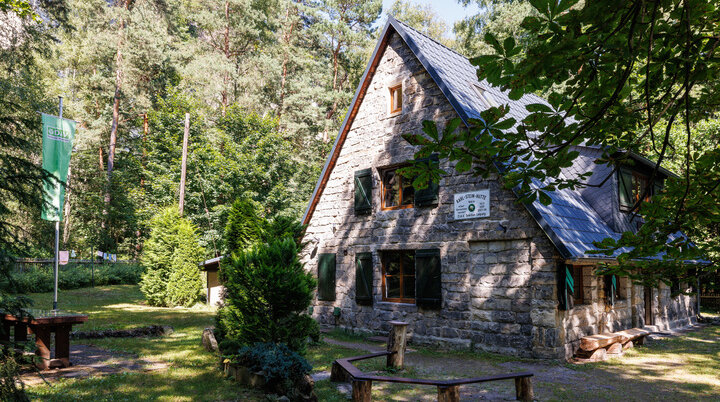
pixel 363 278
pixel 428 285
pixel 625 188
pixel 363 192
pixel 565 287
pixel 326 277
pixel 610 289
pixel 428 196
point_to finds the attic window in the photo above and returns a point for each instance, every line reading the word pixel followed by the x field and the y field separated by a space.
pixel 396 99
pixel 485 98
pixel 633 185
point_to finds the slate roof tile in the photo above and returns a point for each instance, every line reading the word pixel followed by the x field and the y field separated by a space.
pixel 569 221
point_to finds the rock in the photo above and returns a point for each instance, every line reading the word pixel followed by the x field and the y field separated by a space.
pixel 257 379
pixel 283 399
pixel 208 340
pixel 628 345
pixel 616 349
pixel 596 356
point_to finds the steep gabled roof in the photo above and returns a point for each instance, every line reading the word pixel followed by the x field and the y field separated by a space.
pixel 570 223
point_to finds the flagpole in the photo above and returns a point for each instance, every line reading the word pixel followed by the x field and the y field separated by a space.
pixel 57 235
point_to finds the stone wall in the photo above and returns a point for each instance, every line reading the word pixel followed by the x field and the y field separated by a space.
pixel 498 273
pixel 597 315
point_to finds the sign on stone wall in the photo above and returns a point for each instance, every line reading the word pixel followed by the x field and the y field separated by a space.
pixel 471 205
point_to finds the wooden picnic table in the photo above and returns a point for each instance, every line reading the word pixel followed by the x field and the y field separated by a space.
pixel 43 323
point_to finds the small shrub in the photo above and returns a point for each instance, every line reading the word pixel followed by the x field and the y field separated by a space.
pixel 267 294
pixel 172 253
pixel 282 366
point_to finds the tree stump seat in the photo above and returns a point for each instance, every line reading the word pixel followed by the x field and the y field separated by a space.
pixel 599 347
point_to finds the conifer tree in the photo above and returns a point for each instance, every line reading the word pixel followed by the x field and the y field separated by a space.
pixel 244 227
pixel 171 258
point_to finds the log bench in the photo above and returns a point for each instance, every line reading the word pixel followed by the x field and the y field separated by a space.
pixel 597 347
pixel 448 390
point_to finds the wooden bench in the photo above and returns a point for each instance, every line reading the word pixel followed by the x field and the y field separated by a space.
pixel 448 390
pixel 600 346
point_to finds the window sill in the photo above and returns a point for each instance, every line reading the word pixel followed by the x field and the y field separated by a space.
pixel 396 304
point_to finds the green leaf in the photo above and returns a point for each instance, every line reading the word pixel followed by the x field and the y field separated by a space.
pixel 509 44
pixel 544 198
pixel 505 124
pixel 492 41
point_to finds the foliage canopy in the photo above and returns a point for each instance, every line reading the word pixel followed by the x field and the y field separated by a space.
pixel 619 75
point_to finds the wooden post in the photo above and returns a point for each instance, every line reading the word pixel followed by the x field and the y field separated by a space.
pixel 361 391
pixel 523 389
pixel 184 162
pixel 337 373
pixel 396 343
pixel 42 342
pixel 449 394
pixel 62 345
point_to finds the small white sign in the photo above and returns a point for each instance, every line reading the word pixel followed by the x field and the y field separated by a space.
pixel 471 205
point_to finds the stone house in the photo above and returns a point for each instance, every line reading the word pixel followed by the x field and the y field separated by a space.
pixel 462 261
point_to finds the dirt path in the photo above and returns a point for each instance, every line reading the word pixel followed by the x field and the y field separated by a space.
pixel 90 361
pixel 672 366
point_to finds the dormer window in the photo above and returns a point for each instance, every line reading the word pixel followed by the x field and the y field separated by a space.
pixel 485 98
pixel 395 99
pixel 633 185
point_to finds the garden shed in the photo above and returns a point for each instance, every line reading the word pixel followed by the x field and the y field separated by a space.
pixel 213 287
pixel 462 261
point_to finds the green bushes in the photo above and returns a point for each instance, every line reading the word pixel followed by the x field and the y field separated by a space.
pixel 267 294
pixel 281 366
pixel 40 280
pixel 171 258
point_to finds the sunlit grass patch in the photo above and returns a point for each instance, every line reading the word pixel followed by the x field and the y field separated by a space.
pixel 193 374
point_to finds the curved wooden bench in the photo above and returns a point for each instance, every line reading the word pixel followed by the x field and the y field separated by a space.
pixel 448 390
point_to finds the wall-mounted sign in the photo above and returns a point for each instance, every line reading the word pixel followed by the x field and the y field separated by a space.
pixel 475 204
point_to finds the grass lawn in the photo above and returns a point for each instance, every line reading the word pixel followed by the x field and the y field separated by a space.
pixel 680 368
pixel 192 375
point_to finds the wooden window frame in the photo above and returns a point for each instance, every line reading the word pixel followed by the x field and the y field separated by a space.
pixel 383 258
pixel 636 195
pixel 383 189
pixel 392 89
pixel 636 192
pixel 579 287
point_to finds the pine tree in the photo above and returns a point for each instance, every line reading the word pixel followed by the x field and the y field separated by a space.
pixel 244 227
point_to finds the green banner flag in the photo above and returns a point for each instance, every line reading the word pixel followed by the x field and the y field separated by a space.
pixel 58 135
